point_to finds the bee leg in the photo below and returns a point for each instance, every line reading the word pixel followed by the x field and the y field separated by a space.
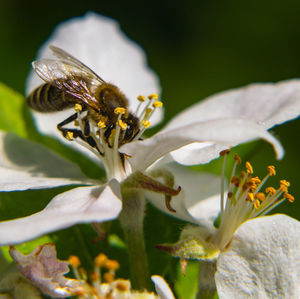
pixel 87 128
pixel 108 132
pixel 66 121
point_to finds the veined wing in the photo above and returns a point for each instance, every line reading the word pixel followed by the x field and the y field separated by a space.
pixel 67 58
pixel 70 79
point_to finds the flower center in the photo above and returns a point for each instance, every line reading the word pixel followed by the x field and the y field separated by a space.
pixel 101 283
pixel 110 132
pixel 246 199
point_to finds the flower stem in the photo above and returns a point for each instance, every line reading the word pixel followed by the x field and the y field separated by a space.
pixel 207 286
pixel 132 219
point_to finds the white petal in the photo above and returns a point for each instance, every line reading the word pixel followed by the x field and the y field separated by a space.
pixel 162 288
pixel 28 165
pixel 265 103
pixel 199 199
pixel 262 261
pixel 80 205
pixel 216 134
pixel 99 43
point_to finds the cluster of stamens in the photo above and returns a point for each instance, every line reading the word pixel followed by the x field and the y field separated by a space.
pixel 246 198
pixel 103 138
pixel 101 283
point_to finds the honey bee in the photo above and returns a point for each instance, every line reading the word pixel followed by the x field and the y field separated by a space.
pixel 70 82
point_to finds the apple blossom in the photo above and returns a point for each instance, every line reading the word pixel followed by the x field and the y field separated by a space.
pixel 194 136
pixel 42 268
pixel 256 256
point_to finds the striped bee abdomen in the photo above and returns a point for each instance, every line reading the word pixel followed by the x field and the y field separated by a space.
pixel 48 98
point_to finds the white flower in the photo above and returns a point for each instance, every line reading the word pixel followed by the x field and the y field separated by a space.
pixel 257 256
pixel 194 136
pixel 44 270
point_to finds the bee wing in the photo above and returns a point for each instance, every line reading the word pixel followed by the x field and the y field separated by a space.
pixel 70 79
pixel 71 60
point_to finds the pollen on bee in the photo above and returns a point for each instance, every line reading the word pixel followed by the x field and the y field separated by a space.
pixel 119 110
pixel 69 135
pixel 78 107
pixel 101 124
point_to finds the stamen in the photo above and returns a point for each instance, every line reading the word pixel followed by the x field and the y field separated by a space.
pixel 249 167
pixel 250 197
pixel 256 204
pixel 260 196
pixel 237 158
pixel 74 261
pixel 153 96
pixel 112 265
pixel 235 181
pixel 272 170
pixel 157 104
pixel 100 260
pixel 120 110
pixel 109 277
pixel 141 98
pixel 146 123
pixel 289 197
pixel 270 190
pixel 122 125
pixel 76 123
pixel 224 154
pixel 78 108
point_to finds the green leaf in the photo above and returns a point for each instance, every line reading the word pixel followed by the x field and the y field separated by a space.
pixel 11 111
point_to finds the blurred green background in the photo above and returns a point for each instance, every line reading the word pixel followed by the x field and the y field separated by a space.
pixel 196 47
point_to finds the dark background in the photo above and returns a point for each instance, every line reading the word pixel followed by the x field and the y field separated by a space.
pixel 196 47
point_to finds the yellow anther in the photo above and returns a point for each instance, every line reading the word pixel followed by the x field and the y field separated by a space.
pixel 256 180
pixel 153 96
pixel 260 196
pixel 249 167
pixel 289 197
pixel 74 261
pixel 285 183
pixel 69 135
pixel 122 125
pixel 271 170
pixel 235 181
pixel 157 104
pixel 237 158
pixel 78 108
pixel 141 98
pixel 148 111
pixel 100 260
pixel 101 124
pixel 112 265
pixel 109 277
pixel 76 123
pixel 250 197
pixel 146 123
pixel 119 110
pixel 224 152
pixel 256 204
pixel 270 190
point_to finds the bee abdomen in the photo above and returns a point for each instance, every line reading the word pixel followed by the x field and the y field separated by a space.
pixel 49 98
